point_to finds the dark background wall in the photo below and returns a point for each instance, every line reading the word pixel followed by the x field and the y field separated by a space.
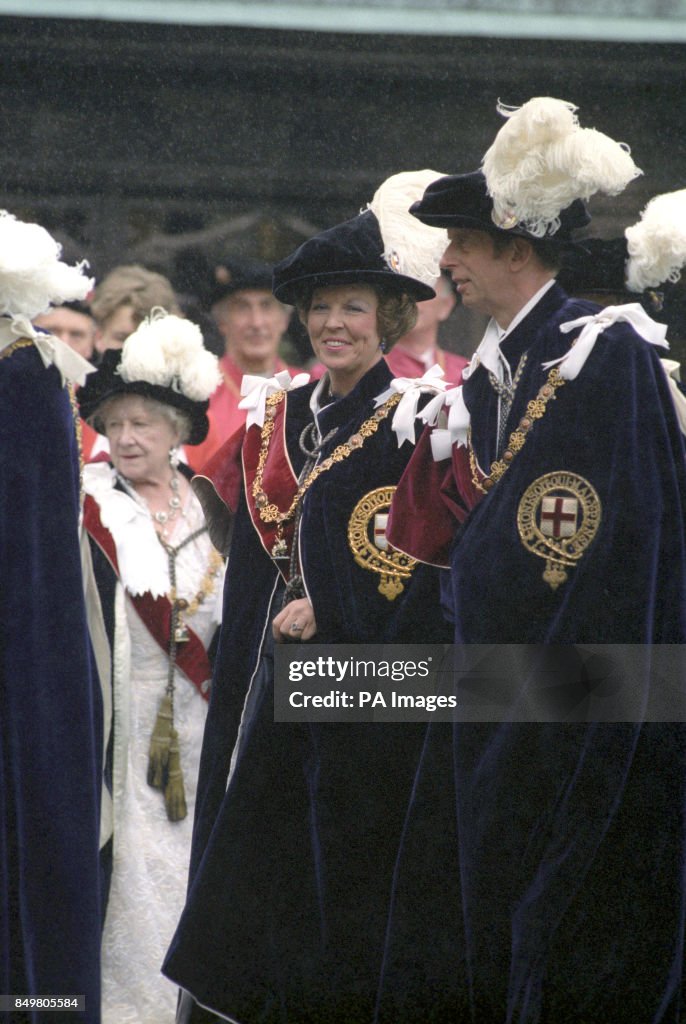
pixel 142 141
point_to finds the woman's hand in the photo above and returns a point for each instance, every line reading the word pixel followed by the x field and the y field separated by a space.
pixel 295 622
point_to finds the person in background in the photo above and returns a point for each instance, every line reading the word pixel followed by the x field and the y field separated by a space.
pixel 160 583
pixel 252 322
pixel 418 350
pixel 73 323
pixel 312 812
pixel 123 299
pixel 51 707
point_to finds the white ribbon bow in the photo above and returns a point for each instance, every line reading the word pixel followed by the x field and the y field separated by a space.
pixel 410 388
pixel 256 390
pixel 52 350
pixel 455 432
pixel 573 361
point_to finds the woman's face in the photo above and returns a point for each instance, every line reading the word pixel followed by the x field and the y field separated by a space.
pixel 341 323
pixel 140 438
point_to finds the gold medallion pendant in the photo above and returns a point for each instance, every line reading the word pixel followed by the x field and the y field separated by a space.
pixel 371 550
pixel 557 518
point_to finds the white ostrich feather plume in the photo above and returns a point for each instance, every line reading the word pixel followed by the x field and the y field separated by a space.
pixel 657 243
pixel 542 160
pixel 410 247
pixel 32 276
pixel 168 350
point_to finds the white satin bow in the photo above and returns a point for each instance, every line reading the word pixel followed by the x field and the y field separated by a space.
pixel 410 388
pixel 52 350
pixel 256 390
pixel 457 426
pixel 633 313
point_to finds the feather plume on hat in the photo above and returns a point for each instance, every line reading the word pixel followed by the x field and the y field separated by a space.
pixel 410 247
pixel 657 243
pixel 542 160
pixel 32 276
pixel 168 351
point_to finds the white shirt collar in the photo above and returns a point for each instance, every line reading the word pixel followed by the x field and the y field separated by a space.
pixel 488 352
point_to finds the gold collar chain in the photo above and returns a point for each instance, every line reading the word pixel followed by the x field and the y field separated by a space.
pixel 535 410
pixel 270 513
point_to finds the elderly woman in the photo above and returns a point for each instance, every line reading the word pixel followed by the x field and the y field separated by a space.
pixel 293 859
pixel 159 580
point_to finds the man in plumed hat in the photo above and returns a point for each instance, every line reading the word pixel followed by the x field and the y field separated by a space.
pixel 553 486
pixel 252 322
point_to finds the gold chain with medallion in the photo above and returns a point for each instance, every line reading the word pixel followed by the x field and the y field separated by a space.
pixel 271 513
pixel 535 410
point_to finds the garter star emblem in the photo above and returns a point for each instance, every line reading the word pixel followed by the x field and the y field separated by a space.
pixel 370 548
pixel 557 518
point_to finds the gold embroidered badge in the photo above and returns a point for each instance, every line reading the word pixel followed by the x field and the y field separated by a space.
pixel 558 517
pixel 371 550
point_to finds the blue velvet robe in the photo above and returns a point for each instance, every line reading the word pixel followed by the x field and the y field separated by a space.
pixel 554 882
pixel 292 863
pixel 50 705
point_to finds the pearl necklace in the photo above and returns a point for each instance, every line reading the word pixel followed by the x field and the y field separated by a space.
pixel 163 517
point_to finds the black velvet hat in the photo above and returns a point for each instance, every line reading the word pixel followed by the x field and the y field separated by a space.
pixel 107 383
pixel 237 274
pixel 462 201
pixel 349 253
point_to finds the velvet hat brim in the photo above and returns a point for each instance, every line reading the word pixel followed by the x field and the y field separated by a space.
pixel 107 383
pixel 349 253
pixel 462 201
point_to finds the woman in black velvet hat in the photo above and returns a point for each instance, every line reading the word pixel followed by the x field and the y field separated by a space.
pixel 159 581
pixel 298 824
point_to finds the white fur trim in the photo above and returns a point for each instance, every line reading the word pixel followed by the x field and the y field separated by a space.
pixel 143 565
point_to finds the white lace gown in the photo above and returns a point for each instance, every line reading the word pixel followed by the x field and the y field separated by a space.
pixel 151 853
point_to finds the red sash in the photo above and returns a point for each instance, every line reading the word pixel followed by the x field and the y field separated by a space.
pixel 155 612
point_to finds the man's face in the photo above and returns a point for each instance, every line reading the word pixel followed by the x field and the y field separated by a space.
pixel 480 274
pixel 252 322
pixel 76 329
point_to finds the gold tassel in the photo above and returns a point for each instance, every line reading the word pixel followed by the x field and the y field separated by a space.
pixel 158 754
pixel 174 795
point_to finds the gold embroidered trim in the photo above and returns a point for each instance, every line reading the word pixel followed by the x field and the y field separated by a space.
pixel 11 349
pixel 535 410
pixel 393 566
pixel 78 430
pixel 271 513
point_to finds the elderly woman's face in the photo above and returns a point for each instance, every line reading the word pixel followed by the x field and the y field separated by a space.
pixel 342 326
pixel 140 437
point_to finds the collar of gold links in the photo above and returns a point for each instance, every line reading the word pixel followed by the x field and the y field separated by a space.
pixel 535 410
pixel 270 513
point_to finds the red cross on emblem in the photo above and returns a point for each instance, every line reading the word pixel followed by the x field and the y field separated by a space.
pixel 380 523
pixel 558 517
